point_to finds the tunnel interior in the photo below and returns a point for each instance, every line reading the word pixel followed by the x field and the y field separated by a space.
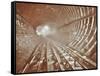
pixel 55 37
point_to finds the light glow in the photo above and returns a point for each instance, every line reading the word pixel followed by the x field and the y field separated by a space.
pixel 43 30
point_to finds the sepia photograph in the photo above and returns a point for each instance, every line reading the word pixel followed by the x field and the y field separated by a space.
pixel 55 37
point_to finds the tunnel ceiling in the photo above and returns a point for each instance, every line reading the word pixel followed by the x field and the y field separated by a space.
pixel 55 38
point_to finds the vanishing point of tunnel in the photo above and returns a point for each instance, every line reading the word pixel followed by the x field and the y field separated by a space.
pixel 55 37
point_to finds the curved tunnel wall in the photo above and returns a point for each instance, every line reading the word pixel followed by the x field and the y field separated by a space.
pixel 72 47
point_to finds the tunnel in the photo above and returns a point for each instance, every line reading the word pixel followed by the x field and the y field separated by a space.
pixel 53 37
